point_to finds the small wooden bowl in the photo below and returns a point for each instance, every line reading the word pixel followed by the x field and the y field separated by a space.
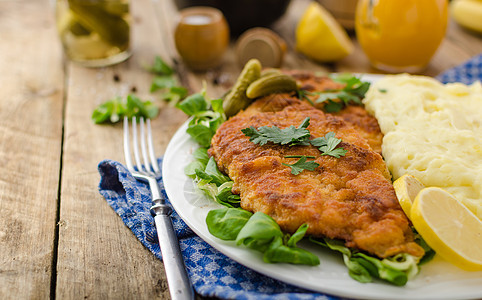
pixel 201 37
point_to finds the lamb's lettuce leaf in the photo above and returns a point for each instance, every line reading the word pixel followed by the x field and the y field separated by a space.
pixel 261 233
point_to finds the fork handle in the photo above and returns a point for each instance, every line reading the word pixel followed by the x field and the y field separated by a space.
pixel 177 279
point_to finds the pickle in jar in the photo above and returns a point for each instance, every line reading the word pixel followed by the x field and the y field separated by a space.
pixel 93 30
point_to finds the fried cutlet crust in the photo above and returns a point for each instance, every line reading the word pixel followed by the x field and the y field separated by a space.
pixel 366 125
pixel 349 198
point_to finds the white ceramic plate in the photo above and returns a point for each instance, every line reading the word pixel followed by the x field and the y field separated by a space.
pixel 437 279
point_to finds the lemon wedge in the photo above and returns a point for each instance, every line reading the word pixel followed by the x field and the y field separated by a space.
pixel 447 226
pixel 407 188
pixel 320 37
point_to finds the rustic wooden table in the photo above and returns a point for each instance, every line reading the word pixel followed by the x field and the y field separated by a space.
pixel 59 237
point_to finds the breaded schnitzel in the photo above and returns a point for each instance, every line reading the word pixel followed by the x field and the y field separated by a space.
pixel 349 198
pixel 366 125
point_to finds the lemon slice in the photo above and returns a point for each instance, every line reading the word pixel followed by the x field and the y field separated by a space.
pixel 447 226
pixel 407 188
pixel 320 37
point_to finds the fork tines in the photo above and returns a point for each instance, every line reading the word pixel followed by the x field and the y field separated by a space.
pixel 141 131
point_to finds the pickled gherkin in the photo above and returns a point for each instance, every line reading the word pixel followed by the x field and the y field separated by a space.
pixel 271 83
pixel 94 32
pixel 236 98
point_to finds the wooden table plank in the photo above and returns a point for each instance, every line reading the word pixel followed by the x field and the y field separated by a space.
pixel 30 134
pixel 99 257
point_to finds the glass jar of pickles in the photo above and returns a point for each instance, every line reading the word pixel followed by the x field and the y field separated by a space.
pixel 94 33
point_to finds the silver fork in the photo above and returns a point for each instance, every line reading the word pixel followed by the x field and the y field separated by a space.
pixel 177 279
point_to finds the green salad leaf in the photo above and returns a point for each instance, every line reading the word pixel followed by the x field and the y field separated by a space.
pixel 174 94
pixel 207 116
pixel 289 252
pixel 165 80
pixel 115 109
pixel 200 161
pixel 212 170
pixel 261 233
pixel 193 105
pixel 227 223
pixel 160 67
pixel 109 111
pixel 136 107
pixel 162 82
pixel 204 171
pixel 397 269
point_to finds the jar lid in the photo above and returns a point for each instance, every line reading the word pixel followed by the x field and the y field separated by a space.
pixel 262 44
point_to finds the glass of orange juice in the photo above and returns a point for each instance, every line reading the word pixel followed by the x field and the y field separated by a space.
pixel 400 35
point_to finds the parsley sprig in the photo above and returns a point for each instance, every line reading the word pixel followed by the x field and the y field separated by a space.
pixel 302 164
pixel 296 136
pixel 335 100
pixel 288 136
pixel 327 145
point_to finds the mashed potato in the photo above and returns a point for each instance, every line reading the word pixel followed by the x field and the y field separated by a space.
pixel 432 131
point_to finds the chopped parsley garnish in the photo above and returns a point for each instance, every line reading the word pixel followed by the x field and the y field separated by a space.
pixel 288 136
pixel 301 165
pixel 296 136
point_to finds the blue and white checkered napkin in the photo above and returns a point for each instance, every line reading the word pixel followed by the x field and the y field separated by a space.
pixel 212 273
pixel 468 72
